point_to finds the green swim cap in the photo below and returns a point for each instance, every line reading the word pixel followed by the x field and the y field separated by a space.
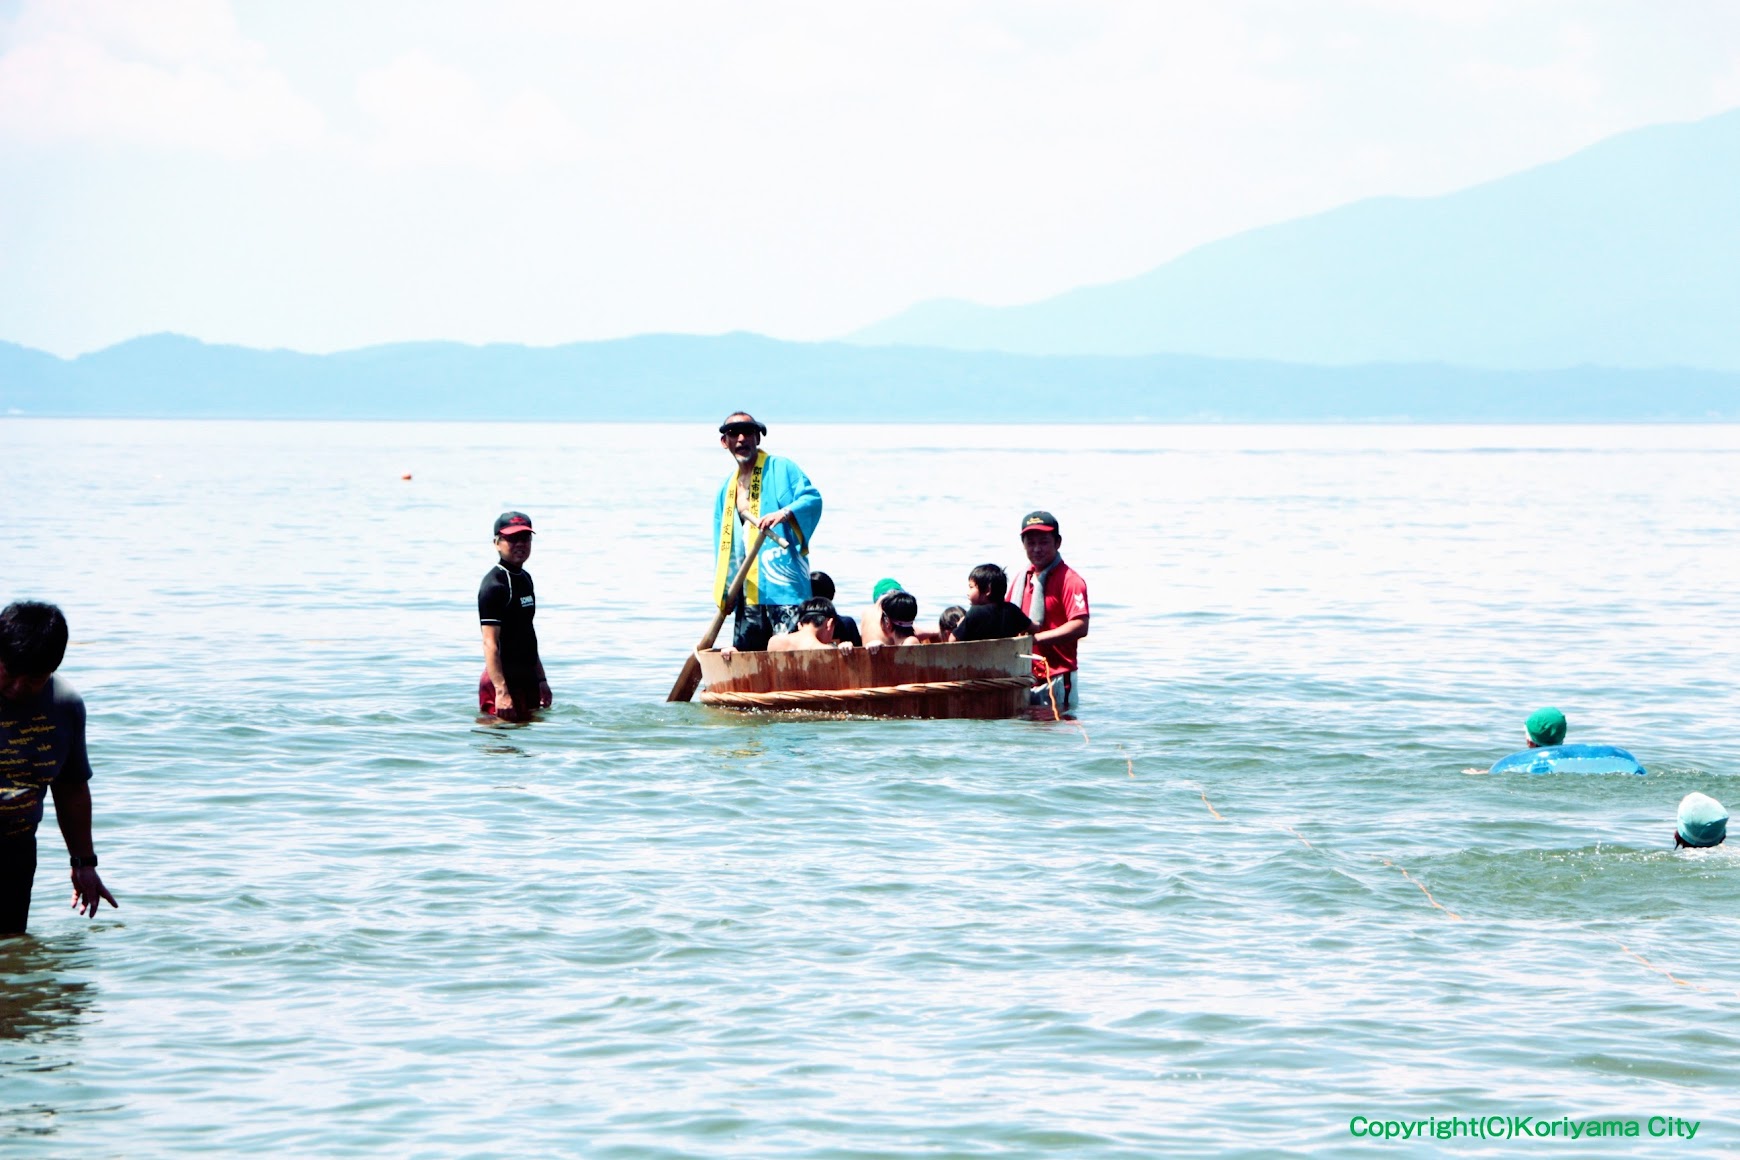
pixel 1703 821
pixel 883 587
pixel 1546 726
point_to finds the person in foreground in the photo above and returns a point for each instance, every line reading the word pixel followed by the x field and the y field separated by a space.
pixel 513 682
pixel 42 748
pixel 989 616
pixel 1054 597
pixel 845 628
pixel 771 493
pixel 1702 823
pixel 815 629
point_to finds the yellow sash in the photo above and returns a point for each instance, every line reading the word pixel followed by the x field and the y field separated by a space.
pixel 728 528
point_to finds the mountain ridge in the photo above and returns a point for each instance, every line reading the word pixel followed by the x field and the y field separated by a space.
pixel 1619 255
pixel 699 378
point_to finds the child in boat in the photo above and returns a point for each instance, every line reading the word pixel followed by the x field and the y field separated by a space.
pixel 845 628
pixel 815 629
pixel 990 616
pixel 899 610
pixel 949 621
pixel 870 624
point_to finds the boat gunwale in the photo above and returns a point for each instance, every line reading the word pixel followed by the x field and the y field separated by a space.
pixel 947 679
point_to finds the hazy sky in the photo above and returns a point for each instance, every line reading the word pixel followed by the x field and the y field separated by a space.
pixel 323 174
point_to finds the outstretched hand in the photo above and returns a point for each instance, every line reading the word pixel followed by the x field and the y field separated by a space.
pixel 89 891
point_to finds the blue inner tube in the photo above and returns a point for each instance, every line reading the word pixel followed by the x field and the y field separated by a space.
pixel 1569 759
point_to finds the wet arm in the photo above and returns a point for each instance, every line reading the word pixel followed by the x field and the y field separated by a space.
pixel 72 810
pixel 492 666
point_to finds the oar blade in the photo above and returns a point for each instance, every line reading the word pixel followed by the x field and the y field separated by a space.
pixel 687 681
pixel 690 678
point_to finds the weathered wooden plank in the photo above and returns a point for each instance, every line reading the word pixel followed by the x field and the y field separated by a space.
pixel 761 672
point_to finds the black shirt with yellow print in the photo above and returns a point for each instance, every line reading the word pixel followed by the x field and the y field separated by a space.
pixel 41 741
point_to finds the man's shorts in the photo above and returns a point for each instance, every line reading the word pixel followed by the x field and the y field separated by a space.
pixel 756 624
pixel 525 698
pixel 17 874
pixel 1061 686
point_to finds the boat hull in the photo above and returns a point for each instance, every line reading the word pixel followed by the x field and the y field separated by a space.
pixel 982 679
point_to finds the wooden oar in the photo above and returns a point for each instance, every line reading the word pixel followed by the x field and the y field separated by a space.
pixel 690 678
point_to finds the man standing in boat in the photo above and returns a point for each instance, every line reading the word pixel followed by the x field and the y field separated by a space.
pixel 769 492
pixel 1055 599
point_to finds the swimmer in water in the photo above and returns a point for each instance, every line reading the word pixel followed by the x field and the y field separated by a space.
pixel 1544 727
pixel 1702 823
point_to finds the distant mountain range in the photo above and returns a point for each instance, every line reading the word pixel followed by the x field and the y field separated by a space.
pixel 1602 287
pixel 690 378
pixel 1626 254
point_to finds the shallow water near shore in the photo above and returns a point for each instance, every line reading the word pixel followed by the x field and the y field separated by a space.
pixel 1251 894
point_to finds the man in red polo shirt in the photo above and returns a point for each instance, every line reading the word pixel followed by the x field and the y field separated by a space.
pixel 1055 599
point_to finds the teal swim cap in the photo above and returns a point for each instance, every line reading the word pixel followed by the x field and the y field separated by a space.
pixel 1546 726
pixel 883 587
pixel 1703 821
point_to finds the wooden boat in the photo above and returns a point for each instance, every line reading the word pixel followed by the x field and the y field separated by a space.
pixel 977 679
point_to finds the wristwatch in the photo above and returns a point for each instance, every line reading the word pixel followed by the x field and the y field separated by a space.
pixel 79 863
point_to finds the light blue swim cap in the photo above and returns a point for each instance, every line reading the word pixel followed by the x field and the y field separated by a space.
pixel 1703 821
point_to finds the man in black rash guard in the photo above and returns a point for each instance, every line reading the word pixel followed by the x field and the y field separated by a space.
pixel 513 681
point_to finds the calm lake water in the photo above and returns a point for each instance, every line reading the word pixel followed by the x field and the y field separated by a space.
pixel 1252 896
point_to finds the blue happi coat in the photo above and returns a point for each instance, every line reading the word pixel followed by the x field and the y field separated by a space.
pixel 779 575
